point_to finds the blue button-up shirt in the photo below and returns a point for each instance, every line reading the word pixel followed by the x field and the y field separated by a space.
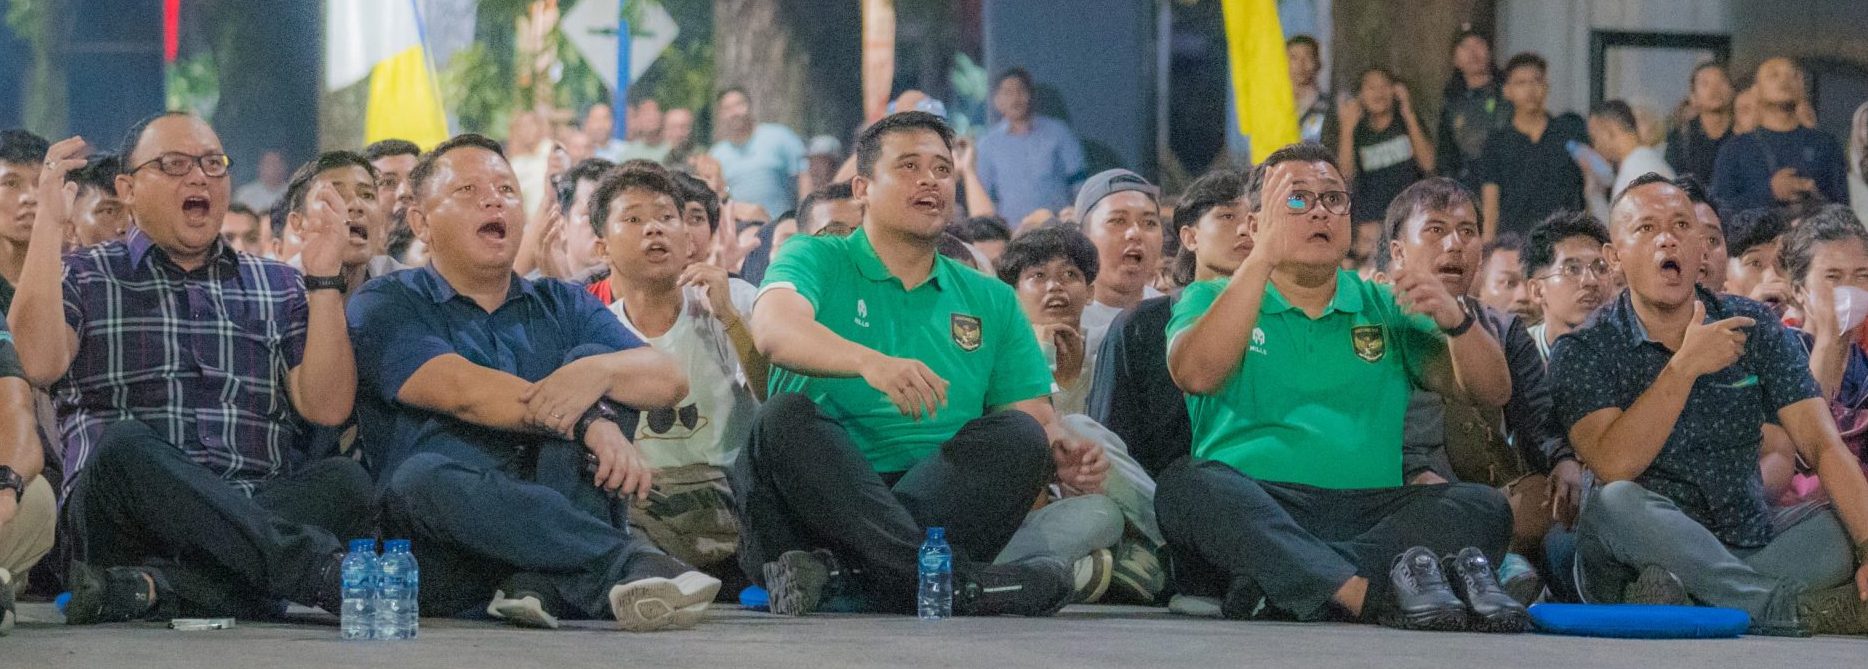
pixel 1709 465
pixel 1032 171
pixel 199 356
pixel 403 320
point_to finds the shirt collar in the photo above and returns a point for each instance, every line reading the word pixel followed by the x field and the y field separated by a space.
pixel 140 246
pixel 870 265
pixel 1629 321
pixel 441 291
pixel 1348 297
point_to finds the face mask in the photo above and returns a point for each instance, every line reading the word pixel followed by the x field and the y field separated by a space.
pixel 1851 306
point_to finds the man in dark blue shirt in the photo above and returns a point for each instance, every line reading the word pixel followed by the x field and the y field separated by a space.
pixel 491 416
pixel 1781 162
pixel 1664 394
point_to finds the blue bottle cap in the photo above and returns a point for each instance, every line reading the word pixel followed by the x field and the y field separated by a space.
pixel 937 533
pixel 362 545
pixel 396 545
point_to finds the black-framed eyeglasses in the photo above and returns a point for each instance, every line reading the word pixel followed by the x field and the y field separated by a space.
pixel 1334 201
pixel 178 164
pixel 1573 270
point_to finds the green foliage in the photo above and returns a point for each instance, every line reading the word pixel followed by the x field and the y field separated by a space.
pixel 479 91
pixel 194 84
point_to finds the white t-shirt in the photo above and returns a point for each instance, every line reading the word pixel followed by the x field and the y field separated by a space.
pixel 715 419
pixel 1075 397
pixel 1640 161
pixel 1098 316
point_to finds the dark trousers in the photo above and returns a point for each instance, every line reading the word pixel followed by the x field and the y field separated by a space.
pixel 1299 544
pixel 804 485
pixel 477 517
pixel 141 502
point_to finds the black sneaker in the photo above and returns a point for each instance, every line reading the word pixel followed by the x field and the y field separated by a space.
pixel 1034 586
pixel 1243 600
pixel 113 595
pixel 527 600
pixel 799 582
pixel 6 602
pixel 1492 609
pixel 1422 598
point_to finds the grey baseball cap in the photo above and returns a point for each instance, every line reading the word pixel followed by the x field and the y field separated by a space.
pixel 1110 182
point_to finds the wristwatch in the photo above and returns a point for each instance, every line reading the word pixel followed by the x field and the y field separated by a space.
pixel 599 411
pixel 1464 325
pixel 325 283
pixel 11 479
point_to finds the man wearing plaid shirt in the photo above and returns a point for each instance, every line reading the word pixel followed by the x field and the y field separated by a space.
pixel 181 370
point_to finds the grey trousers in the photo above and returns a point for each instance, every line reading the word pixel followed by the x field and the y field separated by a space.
pixel 1625 527
pixel 1067 529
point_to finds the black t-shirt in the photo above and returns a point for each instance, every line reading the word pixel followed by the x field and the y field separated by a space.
pixel 1134 395
pixel 1385 166
pixel 1691 151
pixel 1535 178
pixel 9 356
pixel 6 297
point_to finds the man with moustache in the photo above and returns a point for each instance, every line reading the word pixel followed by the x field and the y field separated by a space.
pixel 355 181
pixel 1121 213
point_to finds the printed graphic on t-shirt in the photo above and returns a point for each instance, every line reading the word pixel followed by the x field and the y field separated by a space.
pixel 1385 154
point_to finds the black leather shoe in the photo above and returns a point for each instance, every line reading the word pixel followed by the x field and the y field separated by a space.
pixel 1034 586
pixel 1422 599
pixel 1492 609
pixel 114 595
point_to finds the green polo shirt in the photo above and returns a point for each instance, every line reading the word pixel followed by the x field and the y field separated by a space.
pixel 1316 401
pixel 964 325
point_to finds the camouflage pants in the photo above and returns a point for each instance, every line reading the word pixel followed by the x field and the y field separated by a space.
pixel 690 515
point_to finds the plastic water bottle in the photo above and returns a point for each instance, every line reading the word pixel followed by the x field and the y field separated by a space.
pixel 935 599
pixel 357 619
pixel 409 625
pixel 392 592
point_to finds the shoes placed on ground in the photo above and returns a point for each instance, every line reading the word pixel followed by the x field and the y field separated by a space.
pixel 1656 586
pixel 112 595
pixel 1092 575
pixel 658 603
pixel 6 602
pixel 527 600
pixel 1837 610
pixel 1422 598
pixel 1034 586
pixel 1520 579
pixel 1243 601
pixel 1138 577
pixel 799 582
pixel 1492 609
pixel 1195 605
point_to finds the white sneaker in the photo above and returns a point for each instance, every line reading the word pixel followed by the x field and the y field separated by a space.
pixel 523 609
pixel 1092 575
pixel 1198 607
pixel 663 603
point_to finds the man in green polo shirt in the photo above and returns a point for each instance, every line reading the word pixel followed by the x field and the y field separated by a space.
pixel 1298 376
pixel 907 392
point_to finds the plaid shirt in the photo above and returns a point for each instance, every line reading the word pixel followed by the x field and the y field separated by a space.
pixel 200 357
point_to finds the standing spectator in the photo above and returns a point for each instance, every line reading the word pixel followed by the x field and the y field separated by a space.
pixel 599 126
pixel 1612 133
pixel 1783 161
pixel 1695 142
pixel 762 162
pixel 1026 161
pixel 1313 103
pixel 1526 166
pixel 262 194
pixel 678 131
pixel 1474 105
pixel 1382 147
pixel 645 134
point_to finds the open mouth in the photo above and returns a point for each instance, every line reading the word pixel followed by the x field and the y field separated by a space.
pixel 1133 256
pixel 928 203
pixel 493 230
pixel 195 205
pixel 1319 236
pixel 656 251
pixel 1670 269
pixel 359 232
pixel 1056 303
pixel 1450 271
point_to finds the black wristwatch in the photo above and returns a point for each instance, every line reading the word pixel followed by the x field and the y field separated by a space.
pixel 325 283
pixel 11 479
pixel 1464 325
pixel 599 411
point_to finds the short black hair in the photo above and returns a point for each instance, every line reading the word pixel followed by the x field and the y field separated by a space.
pixel 391 147
pixel 1305 40
pixel 1505 241
pixel 21 147
pixel 1212 189
pixel 300 185
pixel 1375 69
pixel 99 172
pixel 1467 30
pixel 1044 245
pixel 1021 74
pixel 869 144
pixel 1752 227
pixel 1694 188
pixel 983 228
pixel 1540 250
pixel 836 192
pixel 1614 111
pixel 1301 152
pixel 1714 64
pixel 1830 223
pixel 243 210
pixel 956 249
pixel 695 190
pixel 126 150
pixel 1432 194
pixel 1648 179
pixel 624 178
pixel 425 168
pixel 1526 59
pixel 591 169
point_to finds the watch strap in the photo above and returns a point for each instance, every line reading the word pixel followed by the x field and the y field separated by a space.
pixel 336 283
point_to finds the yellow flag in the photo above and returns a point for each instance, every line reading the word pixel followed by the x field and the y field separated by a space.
pixel 382 40
pixel 1261 77
pixel 404 103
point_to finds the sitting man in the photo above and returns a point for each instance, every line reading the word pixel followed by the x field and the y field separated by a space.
pixel 1433 226
pixel 1663 394
pixel 691 312
pixel 1052 269
pixel 1121 214
pixel 28 512
pixel 183 372
pixel 584 264
pixel 1298 375
pixel 1752 270
pixel 97 215
pixel 353 179
pixel 490 415
pixel 909 394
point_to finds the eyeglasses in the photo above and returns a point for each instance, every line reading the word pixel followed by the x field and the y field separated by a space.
pixel 177 164
pixel 1573 270
pixel 1335 201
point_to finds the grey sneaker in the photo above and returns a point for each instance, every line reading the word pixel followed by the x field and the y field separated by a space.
pixel 1195 605
pixel 798 581
pixel 1837 610
pixel 1656 586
